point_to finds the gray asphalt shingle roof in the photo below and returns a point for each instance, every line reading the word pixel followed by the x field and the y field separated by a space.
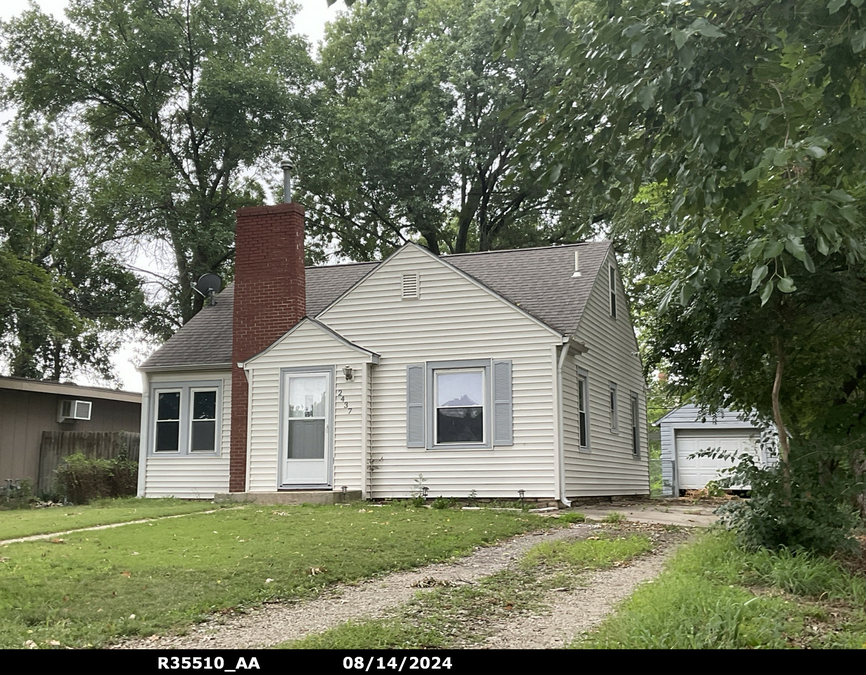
pixel 538 280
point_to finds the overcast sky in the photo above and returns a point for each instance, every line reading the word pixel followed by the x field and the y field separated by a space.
pixel 310 21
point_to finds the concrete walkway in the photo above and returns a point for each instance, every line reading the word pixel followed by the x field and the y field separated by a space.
pixel 37 537
pixel 662 512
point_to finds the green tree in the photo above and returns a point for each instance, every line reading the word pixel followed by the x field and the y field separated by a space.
pixel 66 297
pixel 182 98
pixel 413 138
pixel 750 116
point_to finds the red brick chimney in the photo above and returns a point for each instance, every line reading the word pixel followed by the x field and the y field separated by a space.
pixel 269 298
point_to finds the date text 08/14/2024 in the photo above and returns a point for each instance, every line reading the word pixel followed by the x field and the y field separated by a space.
pixel 367 663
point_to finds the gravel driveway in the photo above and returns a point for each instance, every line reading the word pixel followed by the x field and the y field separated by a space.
pixel 566 615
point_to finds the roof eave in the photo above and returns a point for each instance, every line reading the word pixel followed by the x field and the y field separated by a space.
pixel 192 366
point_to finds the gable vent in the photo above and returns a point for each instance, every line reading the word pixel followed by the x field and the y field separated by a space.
pixel 410 288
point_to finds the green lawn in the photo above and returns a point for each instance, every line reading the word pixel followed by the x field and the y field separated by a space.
pixel 25 522
pixel 713 595
pixel 95 586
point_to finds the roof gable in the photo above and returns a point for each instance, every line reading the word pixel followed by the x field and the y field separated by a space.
pixel 329 333
pixel 444 261
pixel 538 281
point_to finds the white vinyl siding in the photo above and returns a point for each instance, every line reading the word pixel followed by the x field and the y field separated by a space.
pixel 187 476
pixel 308 346
pixel 453 319
pixel 610 468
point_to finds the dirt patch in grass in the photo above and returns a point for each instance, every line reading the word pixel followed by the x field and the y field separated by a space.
pixel 582 598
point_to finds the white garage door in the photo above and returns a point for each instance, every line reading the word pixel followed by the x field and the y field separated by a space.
pixel 695 473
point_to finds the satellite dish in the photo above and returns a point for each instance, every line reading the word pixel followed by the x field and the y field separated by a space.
pixel 208 285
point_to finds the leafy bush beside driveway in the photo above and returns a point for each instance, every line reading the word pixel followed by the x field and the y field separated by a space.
pixel 714 595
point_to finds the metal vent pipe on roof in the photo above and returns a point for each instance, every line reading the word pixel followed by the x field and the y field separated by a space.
pixel 287 167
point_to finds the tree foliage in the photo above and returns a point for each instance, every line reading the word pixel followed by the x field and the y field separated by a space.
pixel 414 136
pixel 182 98
pixel 65 297
pixel 745 121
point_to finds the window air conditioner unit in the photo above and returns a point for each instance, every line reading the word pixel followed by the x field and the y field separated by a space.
pixel 74 410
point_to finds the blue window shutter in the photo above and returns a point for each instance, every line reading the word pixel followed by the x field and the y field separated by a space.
pixel 415 437
pixel 502 413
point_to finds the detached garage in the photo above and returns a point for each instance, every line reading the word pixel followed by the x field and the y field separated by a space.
pixel 685 432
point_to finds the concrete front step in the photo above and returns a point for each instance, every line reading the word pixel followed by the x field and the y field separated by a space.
pixel 291 497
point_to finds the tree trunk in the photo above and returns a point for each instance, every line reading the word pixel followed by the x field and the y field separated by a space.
pixel 858 466
pixel 467 215
pixel 781 430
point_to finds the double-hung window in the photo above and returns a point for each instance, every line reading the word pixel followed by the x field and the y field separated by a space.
pixel 583 407
pixel 459 404
pixel 459 400
pixel 185 418
pixel 202 433
pixel 167 421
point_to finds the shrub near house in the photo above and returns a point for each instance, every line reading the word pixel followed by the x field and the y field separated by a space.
pixel 82 479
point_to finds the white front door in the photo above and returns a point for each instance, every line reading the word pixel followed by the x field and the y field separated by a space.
pixel 306 451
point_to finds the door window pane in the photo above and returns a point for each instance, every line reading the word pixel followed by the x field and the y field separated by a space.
pixel 306 439
pixel 307 396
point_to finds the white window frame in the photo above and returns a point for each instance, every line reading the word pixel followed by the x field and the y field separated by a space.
pixel 612 285
pixel 192 392
pixel 482 366
pixel 614 408
pixel 437 407
pixel 185 389
pixel 156 420
pixel 635 425
pixel 583 383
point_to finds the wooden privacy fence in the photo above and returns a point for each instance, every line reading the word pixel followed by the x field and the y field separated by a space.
pixel 95 444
